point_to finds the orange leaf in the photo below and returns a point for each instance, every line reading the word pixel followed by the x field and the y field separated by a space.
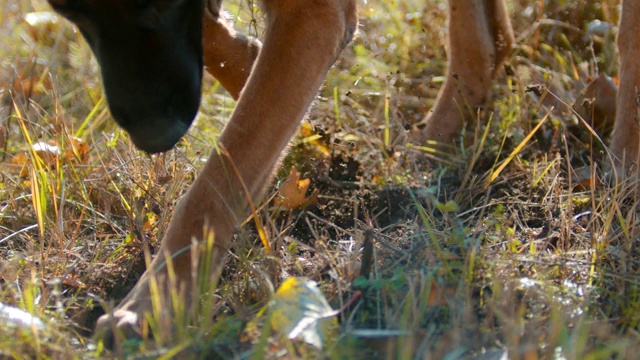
pixel 73 281
pixel 30 80
pixel 292 194
pixel 20 159
pixel 79 150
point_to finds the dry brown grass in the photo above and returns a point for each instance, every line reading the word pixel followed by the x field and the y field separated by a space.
pixel 535 263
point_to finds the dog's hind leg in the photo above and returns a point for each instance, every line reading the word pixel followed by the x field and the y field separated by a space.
pixel 302 41
pixel 626 131
pixel 480 39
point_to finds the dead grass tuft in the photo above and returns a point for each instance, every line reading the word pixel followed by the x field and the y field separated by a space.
pixel 514 248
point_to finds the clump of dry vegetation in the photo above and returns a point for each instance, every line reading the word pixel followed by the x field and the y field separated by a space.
pixel 513 247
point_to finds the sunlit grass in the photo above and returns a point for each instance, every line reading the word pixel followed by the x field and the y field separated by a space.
pixel 504 249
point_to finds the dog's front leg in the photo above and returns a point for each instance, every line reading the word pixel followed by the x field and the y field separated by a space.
pixel 302 41
pixel 228 54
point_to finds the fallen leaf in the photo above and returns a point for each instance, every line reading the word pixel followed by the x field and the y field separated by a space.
pixel 292 194
pixel 73 281
pixel 584 177
pixel 79 150
pixel 309 136
pixel 30 79
pixel 31 85
pixel 48 153
pixel 51 154
pixel 597 104
pixel 20 159
pixel 300 310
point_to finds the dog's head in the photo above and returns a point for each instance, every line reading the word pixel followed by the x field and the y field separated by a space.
pixel 150 56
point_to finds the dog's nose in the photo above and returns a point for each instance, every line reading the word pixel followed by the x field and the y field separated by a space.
pixel 159 135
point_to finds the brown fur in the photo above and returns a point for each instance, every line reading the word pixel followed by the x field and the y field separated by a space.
pixel 267 114
pixel 289 68
pixel 626 130
pixel 480 40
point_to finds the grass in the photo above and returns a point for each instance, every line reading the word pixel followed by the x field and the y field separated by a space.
pixel 513 247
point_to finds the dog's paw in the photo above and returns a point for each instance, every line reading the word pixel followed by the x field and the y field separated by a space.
pixel 118 325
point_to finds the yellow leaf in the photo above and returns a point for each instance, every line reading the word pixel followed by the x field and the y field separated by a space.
pixel 300 310
pixel 310 137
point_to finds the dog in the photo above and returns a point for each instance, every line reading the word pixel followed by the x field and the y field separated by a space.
pixel 152 52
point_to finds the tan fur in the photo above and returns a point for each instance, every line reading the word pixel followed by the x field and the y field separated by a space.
pixel 626 131
pixel 267 114
pixel 289 68
pixel 480 40
pixel 228 55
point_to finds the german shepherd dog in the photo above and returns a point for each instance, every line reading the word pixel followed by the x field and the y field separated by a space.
pixel 152 52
